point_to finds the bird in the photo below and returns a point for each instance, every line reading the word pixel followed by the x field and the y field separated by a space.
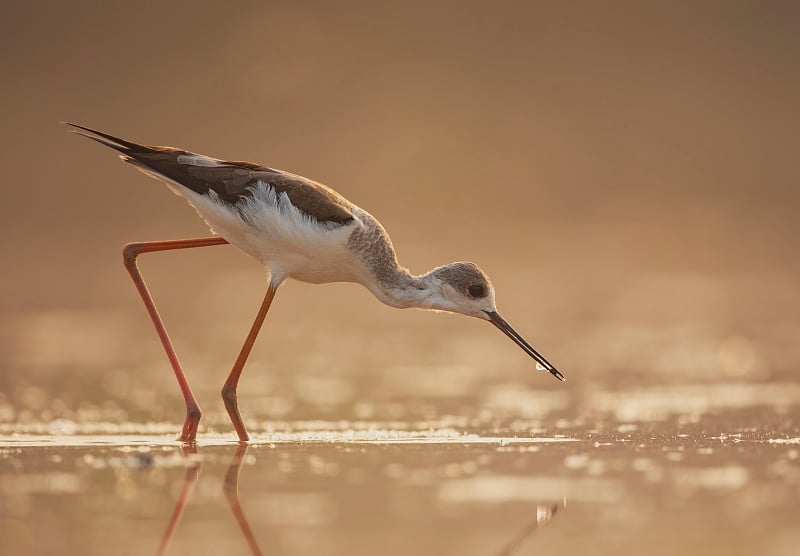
pixel 297 228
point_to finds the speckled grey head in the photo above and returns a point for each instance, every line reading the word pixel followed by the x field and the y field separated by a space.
pixel 460 288
pixel 465 278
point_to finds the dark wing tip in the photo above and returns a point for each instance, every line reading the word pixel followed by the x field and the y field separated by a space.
pixel 101 141
pixel 104 138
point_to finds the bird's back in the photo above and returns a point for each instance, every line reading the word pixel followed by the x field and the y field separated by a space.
pixel 297 227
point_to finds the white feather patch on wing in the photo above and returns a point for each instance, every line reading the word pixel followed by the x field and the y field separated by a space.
pixel 192 159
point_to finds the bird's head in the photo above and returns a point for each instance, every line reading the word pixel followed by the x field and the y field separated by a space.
pixel 460 288
pixel 464 288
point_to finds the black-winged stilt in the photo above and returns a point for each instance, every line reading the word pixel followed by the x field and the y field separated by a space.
pixel 300 229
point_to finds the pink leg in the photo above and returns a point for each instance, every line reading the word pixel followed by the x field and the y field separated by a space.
pixel 229 389
pixel 129 254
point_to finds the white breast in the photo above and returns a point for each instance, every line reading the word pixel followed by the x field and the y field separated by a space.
pixel 269 228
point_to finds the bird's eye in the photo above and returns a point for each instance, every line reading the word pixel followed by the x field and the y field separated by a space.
pixel 477 290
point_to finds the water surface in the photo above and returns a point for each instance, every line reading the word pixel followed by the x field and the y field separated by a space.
pixel 451 485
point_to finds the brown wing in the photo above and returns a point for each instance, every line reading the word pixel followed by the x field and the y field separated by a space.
pixel 232 181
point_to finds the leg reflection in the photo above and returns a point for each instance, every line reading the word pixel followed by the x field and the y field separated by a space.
pixel 544 514
pixel 192 473
pixel 231 489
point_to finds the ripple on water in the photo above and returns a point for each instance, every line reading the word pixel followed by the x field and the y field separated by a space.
pixel 335 436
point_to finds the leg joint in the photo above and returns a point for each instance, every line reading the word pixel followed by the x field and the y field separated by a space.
pixel 193 413
pixel 229 394
pixel 129 253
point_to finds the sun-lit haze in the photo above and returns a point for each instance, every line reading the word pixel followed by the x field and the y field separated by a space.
pixel 625 172
pixel 627 176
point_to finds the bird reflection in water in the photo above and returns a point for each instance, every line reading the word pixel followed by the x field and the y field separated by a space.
pixel 544 514
pixel 230 487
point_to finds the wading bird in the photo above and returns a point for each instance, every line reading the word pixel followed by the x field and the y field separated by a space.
pixel 300 229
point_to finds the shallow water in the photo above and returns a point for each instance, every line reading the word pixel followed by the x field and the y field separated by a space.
pixel 728 483
pixel 396 432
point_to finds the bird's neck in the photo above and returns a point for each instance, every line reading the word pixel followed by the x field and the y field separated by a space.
pixel 390 282
pixel 402 289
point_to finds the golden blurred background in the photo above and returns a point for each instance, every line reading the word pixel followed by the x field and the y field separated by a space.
pixel 626 172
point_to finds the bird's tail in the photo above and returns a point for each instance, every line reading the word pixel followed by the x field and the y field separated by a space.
pixel 156 162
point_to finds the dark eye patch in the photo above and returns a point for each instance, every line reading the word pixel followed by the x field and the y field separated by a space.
pixel 477 290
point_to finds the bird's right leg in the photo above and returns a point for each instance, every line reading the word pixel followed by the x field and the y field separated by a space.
pixel 129 254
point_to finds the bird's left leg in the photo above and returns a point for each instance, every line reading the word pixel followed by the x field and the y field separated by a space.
pixel 229 389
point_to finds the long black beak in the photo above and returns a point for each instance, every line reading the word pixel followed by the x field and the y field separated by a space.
pixel 500 323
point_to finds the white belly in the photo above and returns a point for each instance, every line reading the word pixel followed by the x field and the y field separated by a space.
pixel 288 242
